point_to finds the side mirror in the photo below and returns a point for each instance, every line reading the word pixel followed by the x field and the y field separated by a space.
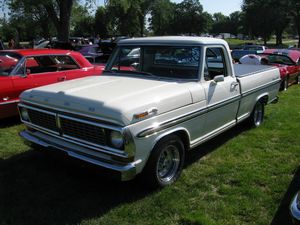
pixel 219 78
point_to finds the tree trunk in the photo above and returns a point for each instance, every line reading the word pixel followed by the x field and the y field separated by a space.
pixel 279 37
pixel 297 22
pixel 61 21
pixel 142 23
pixel 265 40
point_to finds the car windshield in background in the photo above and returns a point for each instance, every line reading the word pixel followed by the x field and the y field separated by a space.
pixel 279 59
pixel 8 61
pixel 162 61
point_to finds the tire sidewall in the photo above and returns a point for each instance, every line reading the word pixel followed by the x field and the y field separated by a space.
pixel 254 121
pixel 150 175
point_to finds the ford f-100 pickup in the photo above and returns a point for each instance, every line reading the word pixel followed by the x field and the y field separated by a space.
pixel 158 98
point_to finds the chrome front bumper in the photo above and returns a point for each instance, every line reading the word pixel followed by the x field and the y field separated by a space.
pixel 127 171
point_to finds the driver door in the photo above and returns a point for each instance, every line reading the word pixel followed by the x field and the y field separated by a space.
pixel 221 89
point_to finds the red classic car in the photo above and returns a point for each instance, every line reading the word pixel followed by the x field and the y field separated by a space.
pixel 25 69
pixel 288 62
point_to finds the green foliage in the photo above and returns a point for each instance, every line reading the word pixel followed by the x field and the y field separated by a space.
pixel 227 24
pixel 189 18
pixel 259 18
pixel 162 16
pixel 82 23
pixel 100 25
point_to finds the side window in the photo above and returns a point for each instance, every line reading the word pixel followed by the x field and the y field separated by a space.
pixel 64 62
pixel 215 63
pixel 32 65
pixel 40 64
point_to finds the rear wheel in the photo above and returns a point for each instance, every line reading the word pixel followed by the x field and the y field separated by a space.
pixel 257 116
pixel 165 163
pixel 298 79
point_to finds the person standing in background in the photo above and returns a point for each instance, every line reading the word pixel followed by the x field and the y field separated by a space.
pixel 11 44
pixel 1 44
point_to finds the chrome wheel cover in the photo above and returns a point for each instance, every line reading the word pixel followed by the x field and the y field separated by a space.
pixel 168 163
pixel 258 114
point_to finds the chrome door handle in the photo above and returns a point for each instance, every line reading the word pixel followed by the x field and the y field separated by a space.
pixel 234 84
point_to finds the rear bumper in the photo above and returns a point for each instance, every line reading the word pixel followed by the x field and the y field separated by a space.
pixel 126 171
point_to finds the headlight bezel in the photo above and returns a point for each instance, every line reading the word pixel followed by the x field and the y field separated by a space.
pixel 24 114
pixel 116 139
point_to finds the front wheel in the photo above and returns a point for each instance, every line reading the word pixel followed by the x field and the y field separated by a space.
pixel 284 84
pixel 165 163
pixel 257 115
pixel 298 79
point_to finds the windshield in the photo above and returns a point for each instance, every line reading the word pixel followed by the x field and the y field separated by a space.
pixel 8 61
pixel 160 61
pixel 279 59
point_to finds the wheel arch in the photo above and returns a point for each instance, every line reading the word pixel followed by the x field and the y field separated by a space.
pixel 181 132
pixel 264 97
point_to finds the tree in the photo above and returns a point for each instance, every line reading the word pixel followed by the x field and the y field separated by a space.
pixel 58 11
pixel 220 22
pixel 282 18
pixel 294 9
pixel 82 23
pixel 189 17
pixel 162 17
pixel 127 16
pixel 100 22
pixel 259 17
pixel 122 17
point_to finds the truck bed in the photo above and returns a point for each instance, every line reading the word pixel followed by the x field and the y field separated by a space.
pixel 242 70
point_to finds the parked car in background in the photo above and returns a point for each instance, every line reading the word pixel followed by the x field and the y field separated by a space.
pixel 42 44
pixel 287 61
pixel 25 69
pixel 90 52
pixel 245 50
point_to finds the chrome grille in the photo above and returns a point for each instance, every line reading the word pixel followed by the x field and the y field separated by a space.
pixel 69 127
pixel 83 131
pixel 42 119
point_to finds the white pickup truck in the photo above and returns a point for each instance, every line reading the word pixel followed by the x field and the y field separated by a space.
pixel 158 98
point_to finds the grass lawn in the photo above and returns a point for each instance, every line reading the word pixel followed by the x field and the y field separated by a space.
pixel 271 43
pixel 240 177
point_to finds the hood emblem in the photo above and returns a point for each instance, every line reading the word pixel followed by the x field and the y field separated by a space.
pixel 150 112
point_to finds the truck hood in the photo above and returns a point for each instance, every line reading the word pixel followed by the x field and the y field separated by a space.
pixel 115 99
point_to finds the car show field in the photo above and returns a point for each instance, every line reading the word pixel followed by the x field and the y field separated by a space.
pixel 240 177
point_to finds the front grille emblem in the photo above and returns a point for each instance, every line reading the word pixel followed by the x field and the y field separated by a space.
pixel 58 124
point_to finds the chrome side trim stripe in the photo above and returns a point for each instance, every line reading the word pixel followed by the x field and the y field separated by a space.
pixel 9 102
pixel 165 125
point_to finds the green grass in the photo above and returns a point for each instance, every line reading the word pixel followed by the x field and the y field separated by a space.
pixel 271 43
pixel 240 177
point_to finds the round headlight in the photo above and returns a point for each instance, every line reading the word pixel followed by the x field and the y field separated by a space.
pixel 24 114
pixel 116 139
